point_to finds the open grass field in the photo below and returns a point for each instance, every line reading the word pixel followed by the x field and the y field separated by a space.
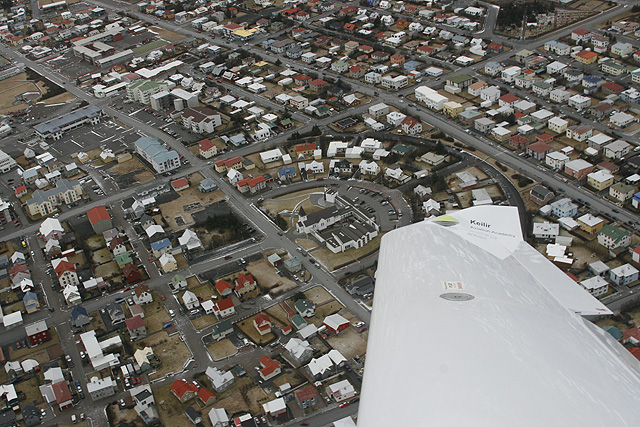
pixel 175 208
pixel 170 350
pixel 155 315
pixel 221 349
pixel 268 279
pixel 291 200
pixel 349 342
pixel 133 166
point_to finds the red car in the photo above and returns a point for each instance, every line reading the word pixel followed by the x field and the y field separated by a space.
pixel 150 260
pixel 128 288
pixel 162 297
pixel 342 405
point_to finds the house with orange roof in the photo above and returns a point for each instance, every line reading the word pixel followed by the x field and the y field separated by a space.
pixel 225 164
pixel 180 184
pixel 206 396
pixel 305 149
pixel 252 185
pixel 586 57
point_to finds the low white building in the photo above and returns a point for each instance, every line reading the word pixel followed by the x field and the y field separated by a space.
pixel 624 274
pixel 546 230
pixel 595 285
pixel 621 119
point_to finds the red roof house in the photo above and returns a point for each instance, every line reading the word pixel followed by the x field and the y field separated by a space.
pixel 63 395
pixel 180 184
pixel 183 390
pixel 100 219
pixel 270 368
pixel 206 396
pixel 223 287
pixel 262 323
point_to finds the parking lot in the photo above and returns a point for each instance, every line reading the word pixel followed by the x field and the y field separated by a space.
pixel 104 135
pixel 161 121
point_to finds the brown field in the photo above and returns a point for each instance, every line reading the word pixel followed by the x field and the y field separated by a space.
pixel 60 99
pixel 350 343
pixel 170 350
pixel 175 207
pixel 221 349
pixel 289 201
pixel 268 278
pixel 155 315
pixel 167 35
pixel 14 86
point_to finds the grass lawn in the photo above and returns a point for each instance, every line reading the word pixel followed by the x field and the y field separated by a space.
pixel 30 390
pixel 108 269
pixel 294 379
pixel 96 322
pixel 247 327
pixel 241 397
pixel 155 315
pixel 221 349
pixel 278 316
pixel 204 291
pixel 319 295
pixel 291 200
pixel 203 321
pixel 101 256
pixel 95 242
pixel 170 350
pixel 267 276
pixel 16 306
pixel 181 261
pixel 257 396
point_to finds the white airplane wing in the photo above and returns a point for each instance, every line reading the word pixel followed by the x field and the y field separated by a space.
pixel 473 327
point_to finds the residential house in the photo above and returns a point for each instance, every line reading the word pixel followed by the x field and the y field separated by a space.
pixel 142 295
pixel 613 237
pixel 136 327
pixel 183 390
pixel 269 368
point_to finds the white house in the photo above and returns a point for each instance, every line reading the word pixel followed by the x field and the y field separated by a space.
pixel 596 285
pixel 190 300
pixel 624 274
pixel 621 119
pixel 556 160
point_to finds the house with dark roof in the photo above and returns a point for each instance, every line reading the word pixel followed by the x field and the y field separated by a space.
pixel 79 317
pixel 115 312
